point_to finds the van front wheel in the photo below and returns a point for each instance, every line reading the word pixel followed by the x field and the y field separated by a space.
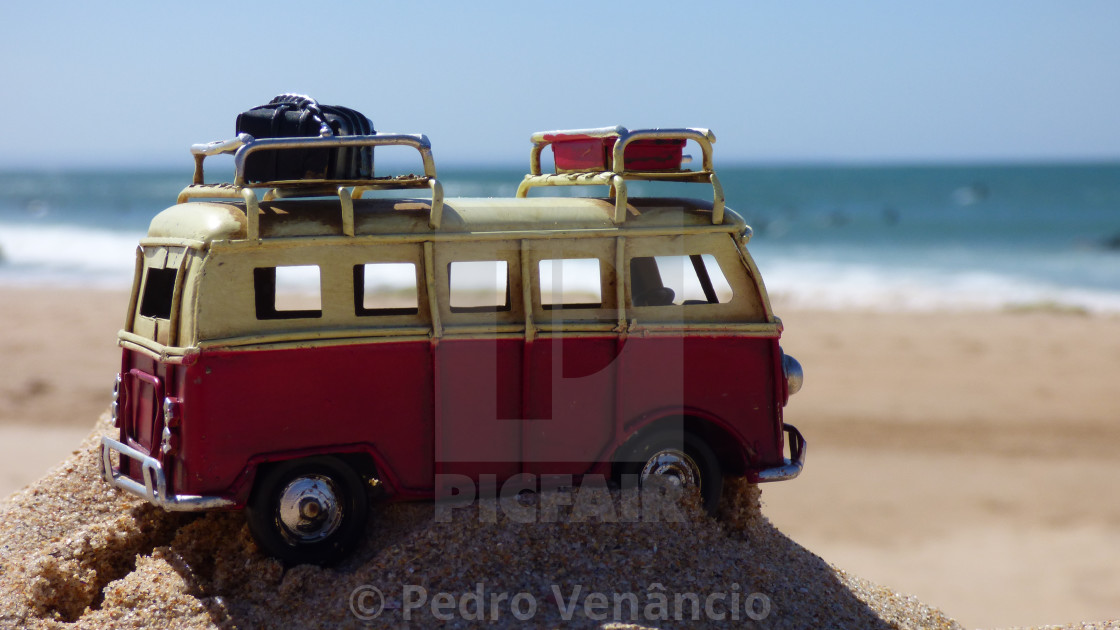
pixel 680 460
pixel 308 511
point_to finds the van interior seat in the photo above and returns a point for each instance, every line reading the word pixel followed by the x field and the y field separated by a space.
pixel 658 296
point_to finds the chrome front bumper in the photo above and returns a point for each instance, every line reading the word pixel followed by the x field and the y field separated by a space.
pixel 154 488
pixel 792 466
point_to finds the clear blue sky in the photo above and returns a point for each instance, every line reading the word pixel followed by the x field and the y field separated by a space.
pixel 134 84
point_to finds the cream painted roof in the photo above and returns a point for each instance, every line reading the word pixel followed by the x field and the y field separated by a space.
pixel 208 221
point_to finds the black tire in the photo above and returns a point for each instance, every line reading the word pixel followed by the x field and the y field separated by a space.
pixel 688 455
pixel 308 511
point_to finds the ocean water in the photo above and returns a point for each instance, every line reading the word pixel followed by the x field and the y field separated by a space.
pixel 834 237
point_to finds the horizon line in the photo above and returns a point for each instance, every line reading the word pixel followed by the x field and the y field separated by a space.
pixel 463 165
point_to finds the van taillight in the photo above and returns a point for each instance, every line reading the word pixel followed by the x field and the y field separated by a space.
pixel 172 414
pixel 115 406
pixel 170 442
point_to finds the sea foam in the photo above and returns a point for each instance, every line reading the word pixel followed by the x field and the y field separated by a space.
pixel 66 255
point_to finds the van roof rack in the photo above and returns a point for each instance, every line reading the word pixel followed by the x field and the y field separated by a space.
pixel 611 156
pixel 242 146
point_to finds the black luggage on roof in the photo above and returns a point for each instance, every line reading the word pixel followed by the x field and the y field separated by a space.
pixel 297 116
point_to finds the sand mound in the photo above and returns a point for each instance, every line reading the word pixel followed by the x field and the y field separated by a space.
pixel 78 553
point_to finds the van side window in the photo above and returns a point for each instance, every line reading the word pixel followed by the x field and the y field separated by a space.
pixel 385 288
pixel 678 280
pixel 287 292
pixel 159 288
pixel 570 283
pixel 479 286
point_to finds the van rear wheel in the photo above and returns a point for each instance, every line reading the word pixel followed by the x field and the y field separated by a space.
pixel 681 460
pixel 308 511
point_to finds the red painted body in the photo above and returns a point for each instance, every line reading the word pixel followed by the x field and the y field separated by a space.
pixel 464 406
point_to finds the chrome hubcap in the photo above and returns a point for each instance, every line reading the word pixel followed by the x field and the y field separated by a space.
pixel 674 467
pixel 309 509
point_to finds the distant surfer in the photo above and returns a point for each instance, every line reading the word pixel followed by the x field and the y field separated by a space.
pixel 972 194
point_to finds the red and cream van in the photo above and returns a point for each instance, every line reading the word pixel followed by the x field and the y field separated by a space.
pixel 290 342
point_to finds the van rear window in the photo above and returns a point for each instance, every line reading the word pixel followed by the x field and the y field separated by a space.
pixel 387 288
pixel 159 290
pixel 479 286
pixel 288 292
pixel 570 283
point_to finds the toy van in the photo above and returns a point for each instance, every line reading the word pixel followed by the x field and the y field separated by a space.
pixel 290 342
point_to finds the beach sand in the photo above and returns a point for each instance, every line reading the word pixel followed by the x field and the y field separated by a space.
pixel 968 459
